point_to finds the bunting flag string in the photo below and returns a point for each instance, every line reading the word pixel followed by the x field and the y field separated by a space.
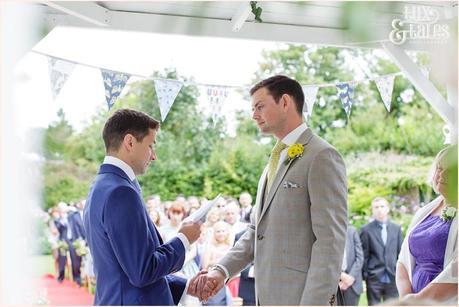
pixel 114 82
pixel 166 92
pixel 385 86
pixel 168 89
pixel 59 72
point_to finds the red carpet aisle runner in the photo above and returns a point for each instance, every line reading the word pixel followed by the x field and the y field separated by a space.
pixel 65 293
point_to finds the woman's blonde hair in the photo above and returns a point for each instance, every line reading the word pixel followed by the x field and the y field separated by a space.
pixel 447 159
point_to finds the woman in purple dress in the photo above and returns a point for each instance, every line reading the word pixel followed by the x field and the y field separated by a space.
pixel 427 265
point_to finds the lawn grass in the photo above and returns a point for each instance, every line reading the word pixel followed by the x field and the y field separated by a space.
pixel 363 299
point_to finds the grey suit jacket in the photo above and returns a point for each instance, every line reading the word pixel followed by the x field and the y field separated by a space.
pixel 354 258
pixel 298 229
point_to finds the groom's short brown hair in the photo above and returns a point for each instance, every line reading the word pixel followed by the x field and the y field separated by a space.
pixel 126 121
pixel 280 85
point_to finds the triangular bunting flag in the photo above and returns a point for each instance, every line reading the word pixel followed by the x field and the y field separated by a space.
pixel 59 71
pixel 310 94
pixel 385 86
pixel 346 94
pixel 216 96
pixel 166 92
pixel 114 82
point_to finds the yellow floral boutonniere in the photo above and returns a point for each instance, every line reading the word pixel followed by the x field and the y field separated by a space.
pixel 294 151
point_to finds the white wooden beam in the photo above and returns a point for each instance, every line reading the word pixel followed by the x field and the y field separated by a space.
pixel 202 26
pixel 195 26
pixel 422 84
pixel 87 11
pixel 240 16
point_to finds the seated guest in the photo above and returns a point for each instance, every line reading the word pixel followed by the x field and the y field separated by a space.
pixel 232 217
pixel 427 266
pixel 245 200
pixel 175 214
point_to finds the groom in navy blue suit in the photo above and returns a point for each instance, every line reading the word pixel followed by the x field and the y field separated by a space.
pixel 132 264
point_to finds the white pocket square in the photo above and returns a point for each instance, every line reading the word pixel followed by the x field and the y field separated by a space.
pixel 291 185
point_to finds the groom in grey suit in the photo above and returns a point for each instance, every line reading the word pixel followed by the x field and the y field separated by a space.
pixel 298 229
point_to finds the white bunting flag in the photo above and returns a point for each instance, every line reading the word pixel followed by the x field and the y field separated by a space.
pixel 310 94
pixel 166 92
pixel 59 71
pixel 114 82
pixel 216 95
pixel 385 86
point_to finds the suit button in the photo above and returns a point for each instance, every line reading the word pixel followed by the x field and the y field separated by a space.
pixel 260 237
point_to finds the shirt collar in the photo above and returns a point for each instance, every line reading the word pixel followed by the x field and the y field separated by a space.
pixel 294 135
pixel 120 164
pixel 381 223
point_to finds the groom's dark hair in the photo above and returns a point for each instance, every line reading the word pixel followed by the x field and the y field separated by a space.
pixel 280 85
pixel 126 121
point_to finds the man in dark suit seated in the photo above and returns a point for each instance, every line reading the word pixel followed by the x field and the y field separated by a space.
pixel 381 242
pixel 131 263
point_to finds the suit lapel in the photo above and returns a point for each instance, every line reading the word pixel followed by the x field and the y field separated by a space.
pixel 304 139
pixel 261 194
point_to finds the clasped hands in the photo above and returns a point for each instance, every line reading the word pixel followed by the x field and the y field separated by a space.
pixel 346 281
pixel 206 284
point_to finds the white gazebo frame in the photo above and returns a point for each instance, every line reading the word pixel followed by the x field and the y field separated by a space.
pixel 291 22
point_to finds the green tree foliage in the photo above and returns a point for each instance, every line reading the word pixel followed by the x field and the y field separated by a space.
pixel 57 136
pixel 246 126
pixel 235 166
pixel 66 181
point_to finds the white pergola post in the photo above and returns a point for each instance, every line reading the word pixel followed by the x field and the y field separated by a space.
pixel 447 111
pixel 451 91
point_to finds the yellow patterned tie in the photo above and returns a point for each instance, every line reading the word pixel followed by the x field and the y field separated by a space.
pixel 273 161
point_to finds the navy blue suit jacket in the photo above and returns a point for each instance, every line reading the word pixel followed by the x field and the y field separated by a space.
pixel 131 264
pixel 62 229
pixel 76 225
